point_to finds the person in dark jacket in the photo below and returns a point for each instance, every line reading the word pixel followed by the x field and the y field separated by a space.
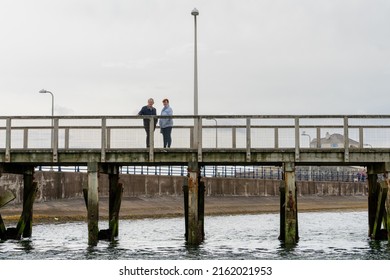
pixel 148 110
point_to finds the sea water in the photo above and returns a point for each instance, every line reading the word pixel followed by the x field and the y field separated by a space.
pixel 323 236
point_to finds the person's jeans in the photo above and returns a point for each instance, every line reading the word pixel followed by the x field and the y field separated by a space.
pixel 166 132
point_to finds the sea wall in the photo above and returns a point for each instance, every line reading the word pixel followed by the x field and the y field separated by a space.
pixel 60 185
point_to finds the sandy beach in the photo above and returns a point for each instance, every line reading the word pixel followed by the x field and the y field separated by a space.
pixel 172 206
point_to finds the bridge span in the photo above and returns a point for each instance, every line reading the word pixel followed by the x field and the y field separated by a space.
pixel 105 143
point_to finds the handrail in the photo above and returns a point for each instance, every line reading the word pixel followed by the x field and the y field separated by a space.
pixel 246 132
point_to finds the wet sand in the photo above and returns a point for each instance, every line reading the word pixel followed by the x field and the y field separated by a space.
pixel 65 210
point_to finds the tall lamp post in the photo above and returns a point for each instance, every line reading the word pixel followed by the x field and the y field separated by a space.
pixel 216 131
pixel 52 102
pixel 195 13
pixel 308 135
pixel 52 119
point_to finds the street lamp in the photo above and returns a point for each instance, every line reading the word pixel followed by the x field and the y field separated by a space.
pixel 308 135
pixel 52 102
pixel 52 119
pixel 216 131
pixel 305 134
pixel 195 13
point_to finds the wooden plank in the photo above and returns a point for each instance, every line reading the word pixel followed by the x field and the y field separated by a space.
pixel 6 197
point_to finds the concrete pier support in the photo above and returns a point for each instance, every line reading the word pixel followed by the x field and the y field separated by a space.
pixel 194 206
pixel 93 203
pixel 289 217
pixel 115 199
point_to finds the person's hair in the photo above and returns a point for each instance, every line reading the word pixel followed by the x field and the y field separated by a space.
pixel 151 99
pixel 166 99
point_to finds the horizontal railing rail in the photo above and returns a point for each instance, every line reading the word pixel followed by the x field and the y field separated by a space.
pixel 195 133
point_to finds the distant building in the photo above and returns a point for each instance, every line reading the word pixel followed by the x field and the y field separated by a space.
pixel 333 141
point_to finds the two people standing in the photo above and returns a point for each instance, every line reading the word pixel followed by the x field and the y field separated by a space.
pixel 166 124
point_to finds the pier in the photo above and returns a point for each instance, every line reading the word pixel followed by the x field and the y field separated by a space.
pixel 105 143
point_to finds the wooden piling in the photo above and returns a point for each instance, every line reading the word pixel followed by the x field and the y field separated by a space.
pixel 3 230
pixel 93 203
pixel 282 195
pixel 115 199
pixel 386 218
pixel 201 192
pixel 185 195
pixel 195 221
pixel 382 196
pixel 29 191
pixel 24 226
pixel 373 189
pixel 291 215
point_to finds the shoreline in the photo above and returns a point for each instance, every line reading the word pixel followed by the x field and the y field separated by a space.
pixel 74 209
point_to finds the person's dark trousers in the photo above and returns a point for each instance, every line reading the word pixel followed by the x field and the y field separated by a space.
pixel 166 132
pixel 147 136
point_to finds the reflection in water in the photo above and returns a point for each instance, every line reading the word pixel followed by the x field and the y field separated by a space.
pixel 342 236
pixel 26 245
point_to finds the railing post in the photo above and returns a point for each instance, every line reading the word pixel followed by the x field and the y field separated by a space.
pixel 55 140
pixel 199 138
pixel 104 140
pixel 151 139
pixel 361 140
pixel 108 138
pixel 318 138
pixel 297 139
pixel 248 139
pixel 234 137
pixel 276 137
pixel 8 141
pixel 25 138
pixel 66 138
pixel 346 140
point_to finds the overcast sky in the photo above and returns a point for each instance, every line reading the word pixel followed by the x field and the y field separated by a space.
pixel 255 56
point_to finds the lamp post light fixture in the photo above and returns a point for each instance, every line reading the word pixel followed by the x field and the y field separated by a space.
pixel 308 135
pixel 195 13
pixel 216 131
pixel 305 134
pixel 52 101
pixel 367 145
pixel 52 118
